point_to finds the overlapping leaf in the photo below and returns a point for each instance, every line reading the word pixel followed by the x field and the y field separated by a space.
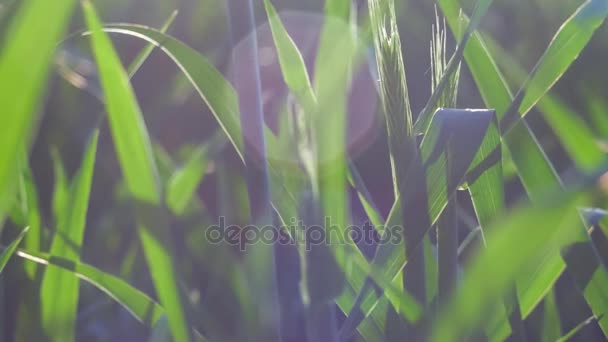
pixel 59 290
pixel 134 153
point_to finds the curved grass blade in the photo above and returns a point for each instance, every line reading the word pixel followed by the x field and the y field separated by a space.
pixel 143 55
pixel 134 153
pixel 213 88
pixel 140 305
pixel 8 252
pixel 59 291
pixel 25 63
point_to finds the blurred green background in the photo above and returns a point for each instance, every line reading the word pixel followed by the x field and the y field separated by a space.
pixel 178 119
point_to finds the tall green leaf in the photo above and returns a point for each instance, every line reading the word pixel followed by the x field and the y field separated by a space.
pixel 25 62
pixel 31 212
pixel 59 290
pixel 134 153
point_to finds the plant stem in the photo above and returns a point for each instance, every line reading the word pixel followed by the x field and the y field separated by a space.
pixel 263 281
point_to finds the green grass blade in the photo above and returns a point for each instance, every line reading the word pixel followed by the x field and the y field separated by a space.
pixel 552 227
pixel 8 252
pixel 25 63
pixel 552 326
pixel 59 291
pixel 597 107
pixel 213 88
pixel 140 305
pixel 575 330
pixel 61 192
pixel 371 209
pixel 184 182
pixel 337 14
pixel 329 131
pixel 538 176
pixel 128 130
pixel 572 130
pixel 567 44
pixel 134 153
pixel 291 61
pixel 143 55
pixel 31 212
pixel 488 197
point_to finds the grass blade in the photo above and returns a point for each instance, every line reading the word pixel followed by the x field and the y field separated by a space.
pixel 575 330
pixel 8 252
pixel 552 327
pixel 25 63
pixel 59 291
pixel 184 182
pixel 488 197
pixel 565 47
pixel 140 305
pixel 573 132
pixel 61 192
pixel 143 55
pixel 291 61
pixel 32 215
pixel 134 153
pixel 213 88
